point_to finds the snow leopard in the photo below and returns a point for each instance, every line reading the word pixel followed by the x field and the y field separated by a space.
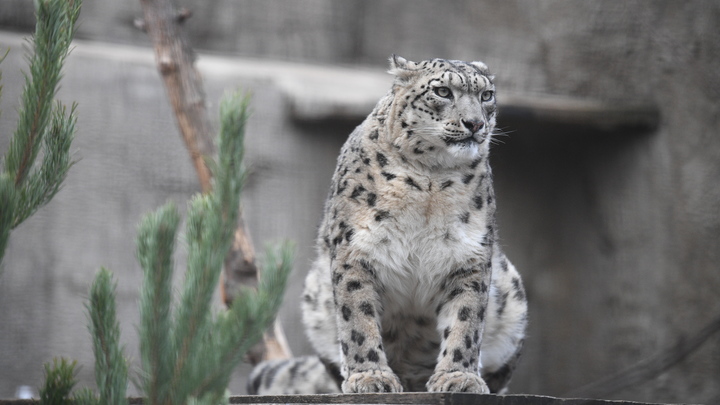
pixel 411 290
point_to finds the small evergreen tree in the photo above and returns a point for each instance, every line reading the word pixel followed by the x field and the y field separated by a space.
pixel 59 382
pixel 187 353
pixel 111 368
pixel 43 125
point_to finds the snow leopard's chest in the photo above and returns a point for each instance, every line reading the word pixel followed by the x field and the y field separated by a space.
pixel 432 227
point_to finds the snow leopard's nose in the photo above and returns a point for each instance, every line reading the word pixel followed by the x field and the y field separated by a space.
pixel 473 125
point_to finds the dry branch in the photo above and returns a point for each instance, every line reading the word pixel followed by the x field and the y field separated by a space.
pixel 649 368
pixel 175 60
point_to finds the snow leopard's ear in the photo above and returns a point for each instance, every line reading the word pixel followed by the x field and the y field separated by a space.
pixel 483 69
pixel 402 68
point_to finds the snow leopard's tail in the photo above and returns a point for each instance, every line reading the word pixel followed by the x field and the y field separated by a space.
pixel 294 376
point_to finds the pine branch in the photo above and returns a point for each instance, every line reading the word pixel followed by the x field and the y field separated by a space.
pixel 175 60
pixel 53 33
pixel 243 325
pixel 111 369
pixel 189 358
pixel 229 173
pixel 86 396
pixel 33 186
pixel 156 239
pixel 206 250
pixel 60 378
pixel 211 222
pixel 45 181
pixel 1 61
pixel 9 204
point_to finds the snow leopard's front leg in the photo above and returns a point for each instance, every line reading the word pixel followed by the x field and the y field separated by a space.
pixel 357 303
pixel 461 319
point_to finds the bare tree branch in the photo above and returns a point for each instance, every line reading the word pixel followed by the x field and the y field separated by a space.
pixel 175 60
pixel 648 368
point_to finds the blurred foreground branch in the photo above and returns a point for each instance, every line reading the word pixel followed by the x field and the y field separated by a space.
pixel 175 60
pixel 45 128
pixel 188 352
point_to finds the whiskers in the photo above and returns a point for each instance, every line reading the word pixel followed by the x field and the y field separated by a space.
pixel 499 132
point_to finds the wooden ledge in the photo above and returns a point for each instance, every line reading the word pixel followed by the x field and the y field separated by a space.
pixel 442 398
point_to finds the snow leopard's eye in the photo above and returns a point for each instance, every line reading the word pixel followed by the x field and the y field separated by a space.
pixel 443 92
pixel 487 95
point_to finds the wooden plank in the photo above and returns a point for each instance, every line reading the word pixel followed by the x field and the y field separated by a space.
pixel 404 398
pixel 442 398
pixel 419 398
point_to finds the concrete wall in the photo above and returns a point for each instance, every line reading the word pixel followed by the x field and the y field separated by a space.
pixel 616 234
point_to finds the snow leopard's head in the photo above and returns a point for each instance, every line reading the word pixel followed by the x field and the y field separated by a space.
pixel 443 111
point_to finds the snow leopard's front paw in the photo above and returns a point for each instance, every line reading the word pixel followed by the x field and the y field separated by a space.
pixel 383 380
pixel 457 381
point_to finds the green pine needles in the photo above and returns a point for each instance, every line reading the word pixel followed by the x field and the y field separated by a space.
pixel 59 382
pixel 187 352
pixel 43 125
pixel 111 368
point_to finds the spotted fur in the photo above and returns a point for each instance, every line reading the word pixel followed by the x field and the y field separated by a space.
pixel 411 290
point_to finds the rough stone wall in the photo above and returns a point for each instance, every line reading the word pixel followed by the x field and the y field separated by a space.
pixel 617 234
pixel 630 262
